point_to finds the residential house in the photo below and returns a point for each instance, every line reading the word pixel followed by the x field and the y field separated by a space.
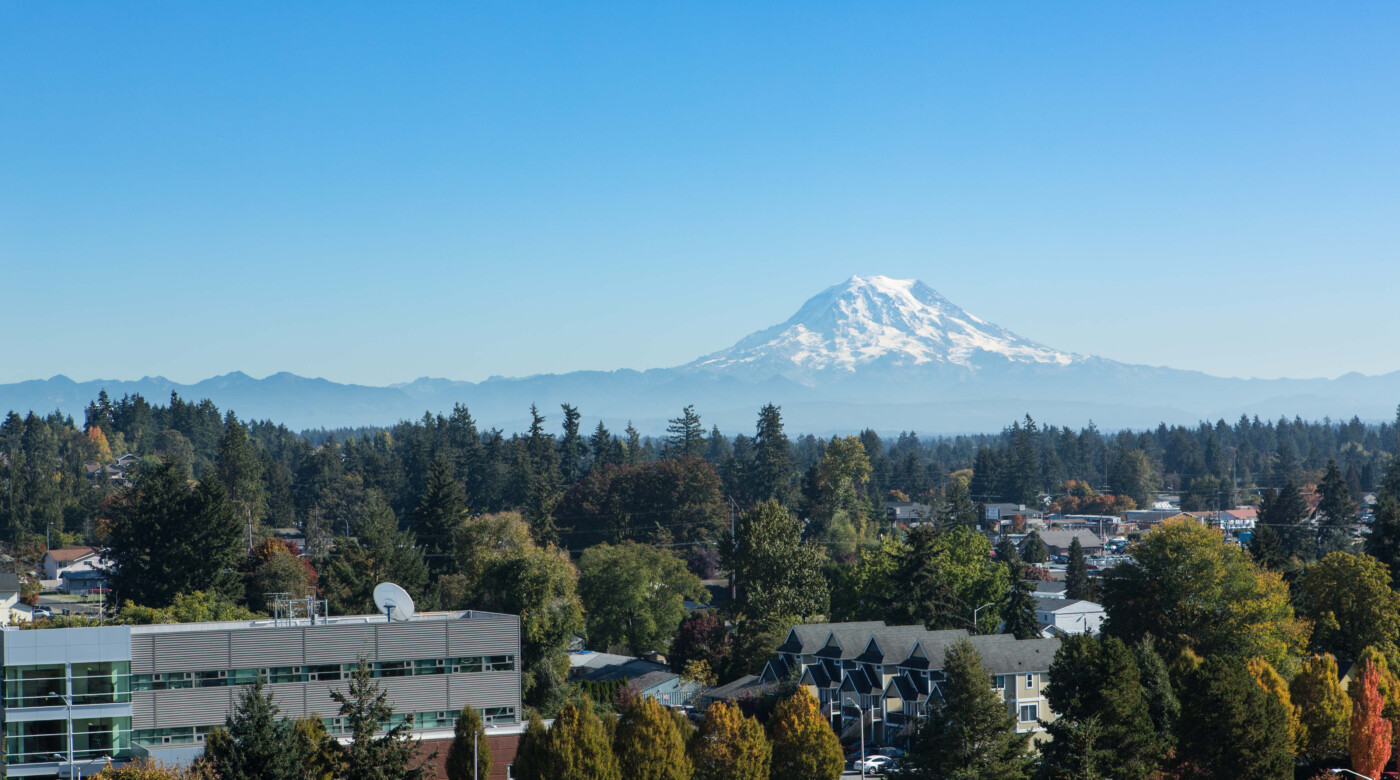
pixel 71 558
pixel 668 688
pixel 1049 590
pixel 11 608
pixel 907 512
pixel 80 581
pixel 881 678
pixel 1061 616
pixel 1058 541
pixel 588 666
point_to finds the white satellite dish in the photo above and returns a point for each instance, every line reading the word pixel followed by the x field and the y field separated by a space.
pixel 393 601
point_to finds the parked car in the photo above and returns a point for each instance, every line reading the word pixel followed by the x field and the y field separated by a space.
pixel 100 590
pixel 42 612
pixel 875 765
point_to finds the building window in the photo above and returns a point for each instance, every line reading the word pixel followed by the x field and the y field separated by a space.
pixel 1030 681
pixel 34 686
pixel 104 682
pixel 323 672
pixel 500 663
pixel 392 669
pixel 1029 713
pixel 466 665
pixel 429 666
pixel 999 682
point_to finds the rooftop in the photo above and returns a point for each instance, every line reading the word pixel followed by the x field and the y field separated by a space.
pixel 346 620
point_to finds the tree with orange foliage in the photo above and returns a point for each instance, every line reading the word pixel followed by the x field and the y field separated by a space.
pixel 98 440
pixel 1370 731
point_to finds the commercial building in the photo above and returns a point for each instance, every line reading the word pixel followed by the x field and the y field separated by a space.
pixel 76 697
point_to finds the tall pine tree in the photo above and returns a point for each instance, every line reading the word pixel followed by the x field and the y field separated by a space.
pixel 469 755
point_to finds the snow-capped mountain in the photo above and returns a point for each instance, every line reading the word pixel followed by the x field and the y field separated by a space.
pixel 876 320
pixel 872 352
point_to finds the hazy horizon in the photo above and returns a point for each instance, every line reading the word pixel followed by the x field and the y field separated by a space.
pixel 392 193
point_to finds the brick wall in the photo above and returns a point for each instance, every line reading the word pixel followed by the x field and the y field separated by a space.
pixel 502 753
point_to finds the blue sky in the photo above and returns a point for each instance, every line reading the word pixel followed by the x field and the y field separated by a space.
pixel 376 192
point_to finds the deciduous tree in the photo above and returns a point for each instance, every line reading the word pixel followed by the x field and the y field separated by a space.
pixel 1324 709
pixel 729 746
pixel 634 595
pixel 804 746
pixel 649 744
pixel 1349 599
pixel 1371 733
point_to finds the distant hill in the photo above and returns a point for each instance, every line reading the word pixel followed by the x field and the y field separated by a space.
pixel 871 352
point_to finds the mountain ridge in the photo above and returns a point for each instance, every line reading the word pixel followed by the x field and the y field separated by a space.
pixel 872 351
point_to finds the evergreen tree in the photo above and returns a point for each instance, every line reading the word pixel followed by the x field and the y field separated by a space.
pixel 1162 704
pixel 1286 512
pixel 380 552
pixel 1092 679
pixel 1033 548
pixel 442 508
pixel 377 751
pixel 729 746
pixel 1324 709
pixel 1337 509
pixel 986 477
pixel 649 744
pixel 685 436
pixel 970 734
pixel 1078 752
pixel 1266 546
pixel 532 759
pixel 469 756
pixel 579 747
pixel 804 746
pixel 1383 543
pixel 169 538
pixel 570 447
pixel 957 507
pixel 541 480
pixel 603 448
pixel 1019 611
pixel 241 471
pixel 778 577
pixel 1076 572
pixel 254 744
pixel 633 449
pixel 772 467
pixel 317 751
pixel 1231 727
pixel 1021 479
pixel 1268 678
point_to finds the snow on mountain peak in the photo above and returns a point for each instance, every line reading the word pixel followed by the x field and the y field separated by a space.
pixel 877 320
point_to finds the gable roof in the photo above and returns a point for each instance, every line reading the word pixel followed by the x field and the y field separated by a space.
pixel 808 638
pixel 9 582
pixel 1010 655
pixel 71 553
pixel 1067 605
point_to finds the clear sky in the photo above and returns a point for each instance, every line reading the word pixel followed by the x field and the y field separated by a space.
pixel 373 192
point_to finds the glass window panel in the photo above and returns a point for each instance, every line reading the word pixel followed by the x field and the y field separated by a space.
pixel 323 673
pixel 461 665
pixel 428 666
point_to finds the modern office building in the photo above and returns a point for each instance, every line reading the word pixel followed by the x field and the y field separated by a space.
pixel 76 697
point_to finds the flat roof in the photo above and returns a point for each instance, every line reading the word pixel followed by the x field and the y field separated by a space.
pixel 344 620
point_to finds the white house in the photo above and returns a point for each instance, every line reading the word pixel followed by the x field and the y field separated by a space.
pixel 11 608
pixel 1058 617
pixel 72 558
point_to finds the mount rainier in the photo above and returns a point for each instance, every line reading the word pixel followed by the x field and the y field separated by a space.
pixel 874 352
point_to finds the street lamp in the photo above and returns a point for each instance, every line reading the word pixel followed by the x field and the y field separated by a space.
pixel 860 714
pixel 68 708
pixel 979 609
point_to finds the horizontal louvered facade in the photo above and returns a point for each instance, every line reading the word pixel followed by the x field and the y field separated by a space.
pixel 170 684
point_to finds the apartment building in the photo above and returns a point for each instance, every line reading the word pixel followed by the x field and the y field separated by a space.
pixel 77 697
pixel 883 676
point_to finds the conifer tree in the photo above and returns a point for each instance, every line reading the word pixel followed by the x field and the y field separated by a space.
pixel 685 436
pixel 379 553
pixel 729 746
pixel 649 744
pixel 469 756
pixel 254 744
pixel 1033 548
pixel 957 507
pixel 1273 683
pixel 772 466
pixel 532 761
pixel 318 752
pixel 970 734
pixel 601 445
pixel 804 746
pixel 579 748
pixel 1019 611
pixel 1286 512
pixel 541 480
pixel 443 506
pixel 377 751
pixel 1266 546
pixel 1076 572
pixel 1371 733
pixel 570 447
pixel 633 449
pixel 1162 704
pixel 1338 512
pixel 241 471
pixel 1383 543
pixel 1231 727
pixel 1324 709
pixel 1099 680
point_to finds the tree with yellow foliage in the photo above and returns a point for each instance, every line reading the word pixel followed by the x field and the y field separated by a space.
pixel 804 746
pixel 1273 684
pixel 730 746
pixel 1324 710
